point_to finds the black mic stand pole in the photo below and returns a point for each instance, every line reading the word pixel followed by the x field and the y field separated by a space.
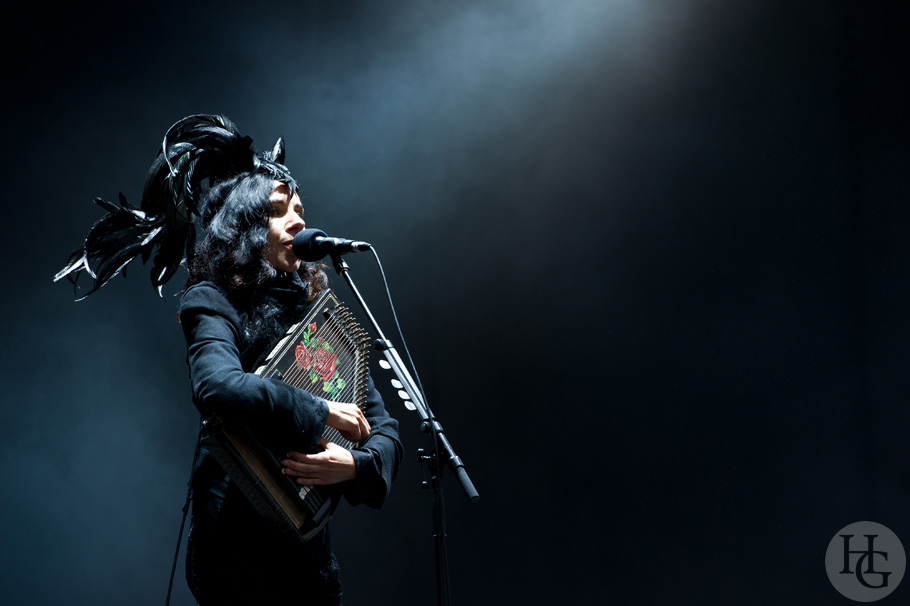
pixel 442 453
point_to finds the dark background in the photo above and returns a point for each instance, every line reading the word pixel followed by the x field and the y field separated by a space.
pixel 649 256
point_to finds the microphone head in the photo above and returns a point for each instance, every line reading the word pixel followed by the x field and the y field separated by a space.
pixel 306 245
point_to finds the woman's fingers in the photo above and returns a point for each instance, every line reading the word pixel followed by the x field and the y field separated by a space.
pixel 333 465
pixel 349 420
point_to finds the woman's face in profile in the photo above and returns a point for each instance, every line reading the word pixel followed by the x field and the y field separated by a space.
pixel 285 222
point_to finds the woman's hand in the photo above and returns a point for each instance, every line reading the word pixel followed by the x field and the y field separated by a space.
pixel 331 466
pixel 349 420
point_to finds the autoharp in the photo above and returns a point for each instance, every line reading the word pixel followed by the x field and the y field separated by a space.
pixel 326 354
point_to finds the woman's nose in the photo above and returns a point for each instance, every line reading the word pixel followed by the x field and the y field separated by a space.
pixel 296 224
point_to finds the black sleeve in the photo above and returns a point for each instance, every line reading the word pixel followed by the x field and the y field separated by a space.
pixel 378 457
pixel 289 418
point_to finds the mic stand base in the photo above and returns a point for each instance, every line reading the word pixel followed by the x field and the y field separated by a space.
pixel 429 463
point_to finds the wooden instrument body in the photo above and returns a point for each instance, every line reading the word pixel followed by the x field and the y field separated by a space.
pixel 326 354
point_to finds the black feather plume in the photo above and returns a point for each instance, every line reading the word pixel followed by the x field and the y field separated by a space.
pixel 194 149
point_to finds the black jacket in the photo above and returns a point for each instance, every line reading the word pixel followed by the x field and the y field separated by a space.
pixel 223 347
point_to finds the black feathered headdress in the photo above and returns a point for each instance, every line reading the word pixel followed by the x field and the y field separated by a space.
pixel 194 149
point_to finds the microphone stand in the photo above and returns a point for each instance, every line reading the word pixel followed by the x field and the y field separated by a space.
pixel 442 455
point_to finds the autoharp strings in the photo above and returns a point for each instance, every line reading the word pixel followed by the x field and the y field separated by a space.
pixel 339 357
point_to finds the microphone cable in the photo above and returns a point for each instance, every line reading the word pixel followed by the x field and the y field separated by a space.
pixel 404 344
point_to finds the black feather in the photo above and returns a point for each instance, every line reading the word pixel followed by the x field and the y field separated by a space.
pixel 194 149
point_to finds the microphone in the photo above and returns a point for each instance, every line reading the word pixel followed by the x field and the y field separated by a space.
pixel 314 244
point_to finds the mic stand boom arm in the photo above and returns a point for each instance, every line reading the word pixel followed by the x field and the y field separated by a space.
pixel 443 452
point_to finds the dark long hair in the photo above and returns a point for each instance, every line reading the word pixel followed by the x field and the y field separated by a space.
pixel 231 249
pixel 232 234
pixel 231 221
